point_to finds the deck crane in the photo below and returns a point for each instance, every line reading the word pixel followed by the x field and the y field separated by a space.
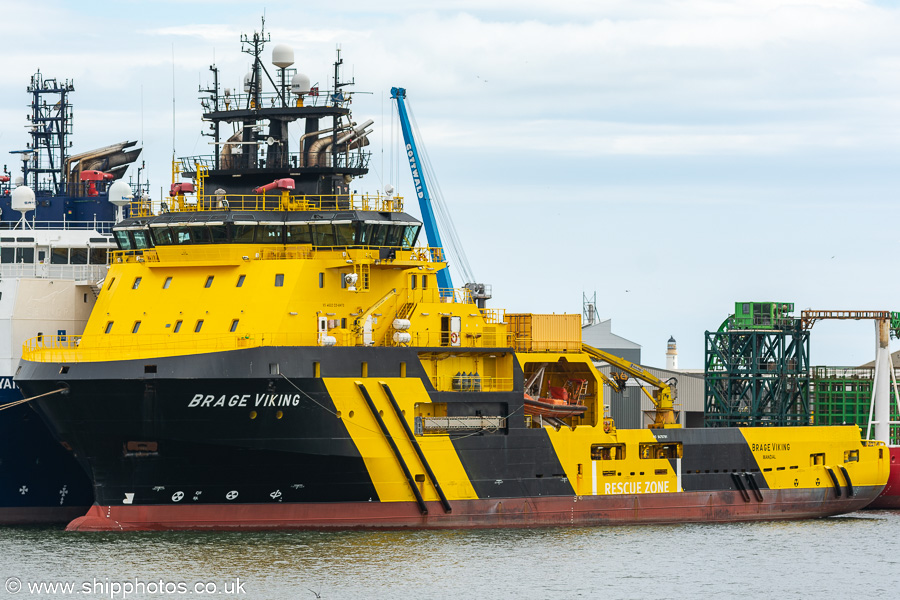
pixel 663 397
pixel 421 176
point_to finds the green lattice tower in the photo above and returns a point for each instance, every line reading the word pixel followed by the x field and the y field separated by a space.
pixel 757 376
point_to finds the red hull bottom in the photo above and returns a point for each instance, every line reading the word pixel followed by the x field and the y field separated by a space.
pixel 705 507
pixel 890 497
pixel 42 515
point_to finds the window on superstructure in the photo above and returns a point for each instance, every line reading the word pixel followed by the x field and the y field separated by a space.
pixel 345 234
pixel 99 256
pixel 111 282
pixel 162 236
pixel 59 256
pixel 167 283
pixel 78 256
pixel 412 281
pixel 109 325
pixel 323 234
pixel 242 234
pixel 424 282
pixel 24 255
pixel 410 233
pixel 137 282
pixel 270 234
pixel 321 280
pixel 209 281
pixel 395 236
pixel 608 452
pixel 218 234
pixel 240 282
pixel 298 234
pixel 142 239
pixel 124 240
pixel 181 235
pixel 8 255
pixel 137 325
pixel 177 326
pixel 198 326
pixel 200 234
pixel 234 325
pixel 279 280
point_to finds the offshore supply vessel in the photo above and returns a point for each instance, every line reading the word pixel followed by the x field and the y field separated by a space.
pixel 270 350
pixel 56 223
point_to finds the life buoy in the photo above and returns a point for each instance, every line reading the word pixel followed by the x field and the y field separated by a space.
pixel 454 337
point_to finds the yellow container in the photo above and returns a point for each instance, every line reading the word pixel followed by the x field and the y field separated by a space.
pixel 545 333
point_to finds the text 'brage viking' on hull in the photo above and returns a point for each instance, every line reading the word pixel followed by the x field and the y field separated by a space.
pixel 285 358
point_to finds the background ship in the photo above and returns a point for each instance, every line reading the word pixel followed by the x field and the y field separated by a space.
pixel 56 223
pixel 271 351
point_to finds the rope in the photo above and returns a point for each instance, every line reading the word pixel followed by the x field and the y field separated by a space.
pixel 24 400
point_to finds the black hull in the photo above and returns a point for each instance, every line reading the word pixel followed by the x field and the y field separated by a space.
pixel 40 482
pixel 221 431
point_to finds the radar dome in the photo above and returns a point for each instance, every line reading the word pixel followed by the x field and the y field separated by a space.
pixel 282 56
pixel 22 199
pixel 389 189
pixel 300 84
pixel 120 193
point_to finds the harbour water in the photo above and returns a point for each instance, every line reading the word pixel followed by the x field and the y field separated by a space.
pixel 853 554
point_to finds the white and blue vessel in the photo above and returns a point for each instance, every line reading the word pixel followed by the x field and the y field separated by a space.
pixel 56 220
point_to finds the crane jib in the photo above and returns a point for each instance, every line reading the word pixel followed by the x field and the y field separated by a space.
pixel 415 171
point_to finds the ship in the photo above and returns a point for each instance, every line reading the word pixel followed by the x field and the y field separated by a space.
pixel 271 350
pixel 56 223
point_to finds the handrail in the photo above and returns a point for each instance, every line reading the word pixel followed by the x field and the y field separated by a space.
pixel 276 202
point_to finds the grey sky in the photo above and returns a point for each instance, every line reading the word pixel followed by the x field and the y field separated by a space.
pixel 673 156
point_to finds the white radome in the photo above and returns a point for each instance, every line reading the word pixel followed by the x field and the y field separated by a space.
pixel 22 199
pixel 120 193
pixel 282 56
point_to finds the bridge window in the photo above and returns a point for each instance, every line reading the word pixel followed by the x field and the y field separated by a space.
pixel 162 236
pixel 269 234
pixel 8 255
pixel 299 234
pixel 177 326
pixel 200 234
pixel 24 255
pixel 59 256
pixel 323 234
pixel 410 233
pixel 124 240
pixel 78 256
pixel 242 233
pixel 137 325
pixel 218 233
pixel 234 325
pixel 345 234
pixel 99 256
pixel 198 326
pixel 181 235
pixel 141 240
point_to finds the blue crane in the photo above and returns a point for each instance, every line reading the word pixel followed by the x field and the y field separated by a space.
pixel 418 175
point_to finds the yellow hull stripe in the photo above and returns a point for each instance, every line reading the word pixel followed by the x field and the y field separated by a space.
pixel 382 465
